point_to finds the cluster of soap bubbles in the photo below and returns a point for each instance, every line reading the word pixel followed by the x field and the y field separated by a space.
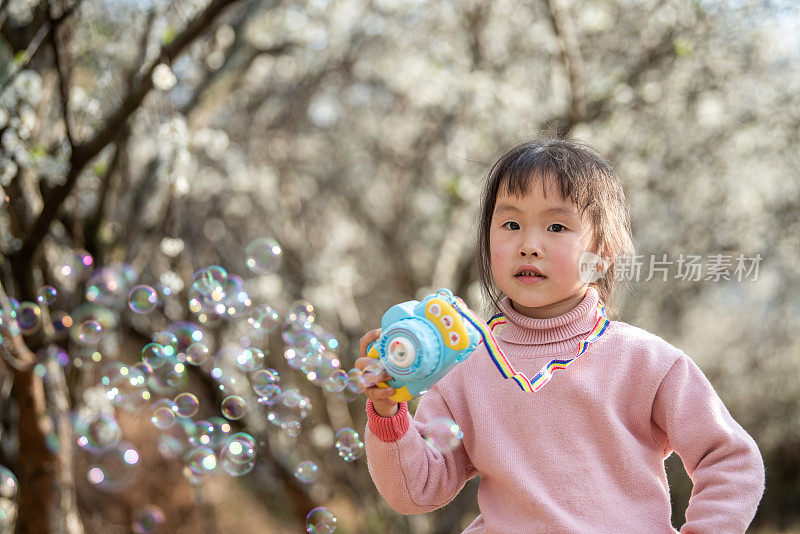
pixel 216 296
pixel 348 445
pixel 201 437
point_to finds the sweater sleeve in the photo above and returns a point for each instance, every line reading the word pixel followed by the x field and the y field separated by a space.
pixel 412 477
pixel 722 460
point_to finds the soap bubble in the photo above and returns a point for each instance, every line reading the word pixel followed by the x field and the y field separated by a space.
pixel 240 448
pixel 187 404
pixel 164 413
pixel 306 471
pixel 373 372
pixel 147 520
pixel 442 434
pixel 209 281
pixel 89 322
pixel 289 406
pixel 197 354
pixel 320 366
pixel 46 295
pixel 213 432
pixel 235 469
pixel 114 470
pixel 261 379
pixel 263 255
pixel 201 460
pixel 238 456
pixel 74 265
pixel 330 342
pixel 354 385
pixel 125 385
pixel 109 286
pixel 263 319
pixel 297 328
pixel 142 299
pixel 29 317
pixel 293 359
pixel 97 432
pixel 301 312
pixel 90 332
pixel 233 407
pixel 168 341
pixel 168 378
pixel 225 379
pixel 175 441
pixel 269 394
pixel 348 444
pixel 293 428
pixel 153 354
pixel 321 521
pixel 336 382
pixel 179 438
pixel 234 299
pixel 187 334
pixel 298 335
pixel 249 359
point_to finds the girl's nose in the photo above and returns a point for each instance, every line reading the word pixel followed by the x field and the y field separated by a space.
pixel 529 249
pixel 529 245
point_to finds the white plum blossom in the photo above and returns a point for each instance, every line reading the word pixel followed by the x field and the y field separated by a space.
pixel 163 77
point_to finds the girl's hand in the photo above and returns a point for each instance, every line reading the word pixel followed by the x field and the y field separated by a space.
pixel 384 406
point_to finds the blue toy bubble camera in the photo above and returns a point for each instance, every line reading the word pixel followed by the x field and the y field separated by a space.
pixel 421 341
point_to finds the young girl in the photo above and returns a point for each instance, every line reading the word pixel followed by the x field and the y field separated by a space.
pixel 585 453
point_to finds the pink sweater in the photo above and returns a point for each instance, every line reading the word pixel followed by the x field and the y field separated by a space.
pixel 586 452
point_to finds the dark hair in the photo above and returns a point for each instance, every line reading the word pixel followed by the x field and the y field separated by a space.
pixel 584 177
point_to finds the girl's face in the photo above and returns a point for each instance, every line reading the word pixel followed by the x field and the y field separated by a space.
pixel 535 245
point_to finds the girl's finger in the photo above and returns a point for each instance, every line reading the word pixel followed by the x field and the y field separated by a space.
pixel 366 339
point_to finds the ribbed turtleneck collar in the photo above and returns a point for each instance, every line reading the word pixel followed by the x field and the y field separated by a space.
pixel 552 336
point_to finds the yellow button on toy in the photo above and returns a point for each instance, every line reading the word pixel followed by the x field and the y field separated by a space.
pixel 449 323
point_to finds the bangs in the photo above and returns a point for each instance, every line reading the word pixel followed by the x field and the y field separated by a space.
pixel 530 167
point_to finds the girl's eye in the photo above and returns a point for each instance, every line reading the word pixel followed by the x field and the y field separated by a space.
pixel 511 225
pixel 558 227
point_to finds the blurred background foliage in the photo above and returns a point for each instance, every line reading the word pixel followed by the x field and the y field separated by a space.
pixel 167 135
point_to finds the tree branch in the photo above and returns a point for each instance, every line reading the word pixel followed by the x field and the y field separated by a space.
pixel 63 80
pixel 86 151
pixel 571 55
pixel 45 31
pixel 37 464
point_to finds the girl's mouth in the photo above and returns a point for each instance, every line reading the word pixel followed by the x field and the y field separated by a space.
pixel 526 274
pixel 529 277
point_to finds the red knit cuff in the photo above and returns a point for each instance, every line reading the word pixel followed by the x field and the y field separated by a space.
pixel 388 429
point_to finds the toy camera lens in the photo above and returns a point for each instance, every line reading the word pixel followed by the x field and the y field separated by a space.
pixel 401 352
